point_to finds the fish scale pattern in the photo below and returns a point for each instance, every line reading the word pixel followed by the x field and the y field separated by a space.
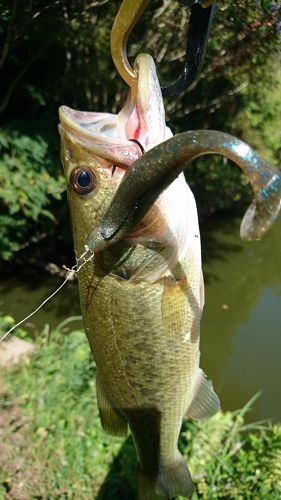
pixel 145 339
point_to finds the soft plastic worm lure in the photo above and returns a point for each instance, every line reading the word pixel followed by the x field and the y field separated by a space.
pixel 156 170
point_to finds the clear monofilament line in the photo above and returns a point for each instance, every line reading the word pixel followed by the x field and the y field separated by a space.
pixel 75 269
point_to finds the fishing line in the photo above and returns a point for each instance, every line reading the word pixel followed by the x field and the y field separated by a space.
pixel 70 273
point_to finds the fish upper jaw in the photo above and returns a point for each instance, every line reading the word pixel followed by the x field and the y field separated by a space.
pixel 97 134
pixel 145 120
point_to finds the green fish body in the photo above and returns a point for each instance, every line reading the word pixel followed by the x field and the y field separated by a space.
pixel 142 295
pixel 142 298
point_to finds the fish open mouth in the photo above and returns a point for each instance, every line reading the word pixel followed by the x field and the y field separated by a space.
pixel 121 138
pixel 99 126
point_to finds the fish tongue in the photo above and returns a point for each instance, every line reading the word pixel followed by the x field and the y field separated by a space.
pixel 144 118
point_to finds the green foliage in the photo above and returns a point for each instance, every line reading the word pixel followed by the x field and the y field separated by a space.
pixel 7 322
pixel 27 190
pixel 228 458
pixel 232 459
pixel 260 119
pixel 54 53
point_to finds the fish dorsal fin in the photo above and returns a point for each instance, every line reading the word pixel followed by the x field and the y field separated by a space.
pixel 205 402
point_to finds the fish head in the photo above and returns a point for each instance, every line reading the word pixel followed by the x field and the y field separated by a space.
pixel 98 148
pixel 94 160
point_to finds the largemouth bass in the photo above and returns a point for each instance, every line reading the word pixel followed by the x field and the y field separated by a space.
pixel 141 297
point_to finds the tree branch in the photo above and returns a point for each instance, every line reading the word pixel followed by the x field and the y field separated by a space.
pixel 9 35
pixel 16 80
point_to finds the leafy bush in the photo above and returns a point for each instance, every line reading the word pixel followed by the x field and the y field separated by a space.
pixel 7 322
pixel 27 190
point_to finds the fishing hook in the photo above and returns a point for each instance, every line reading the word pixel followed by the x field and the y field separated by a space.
pixel 127 16
pixel 200 21
pixel 199 26
pixel 142 152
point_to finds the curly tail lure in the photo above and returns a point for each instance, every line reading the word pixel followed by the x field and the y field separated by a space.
pixel 158 168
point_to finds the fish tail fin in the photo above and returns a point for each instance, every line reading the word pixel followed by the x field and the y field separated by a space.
pixel 171 481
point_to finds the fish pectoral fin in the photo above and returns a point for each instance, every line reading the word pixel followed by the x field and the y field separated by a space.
pixel 205 403
pixel 111 420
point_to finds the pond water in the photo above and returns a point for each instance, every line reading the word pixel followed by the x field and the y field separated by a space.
pixel 241 326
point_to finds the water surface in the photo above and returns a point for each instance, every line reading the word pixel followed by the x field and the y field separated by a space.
pixel 241 326
pixel 21 294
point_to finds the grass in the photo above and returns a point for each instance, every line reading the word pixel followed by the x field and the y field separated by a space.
pixel 63 443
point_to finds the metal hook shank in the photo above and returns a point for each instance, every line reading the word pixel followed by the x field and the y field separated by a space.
pixel 199 27
pixel 128 15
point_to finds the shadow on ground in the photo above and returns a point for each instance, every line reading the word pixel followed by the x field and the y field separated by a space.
pixel 120 483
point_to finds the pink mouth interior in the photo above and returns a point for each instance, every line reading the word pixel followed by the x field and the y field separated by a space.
pixel 133 126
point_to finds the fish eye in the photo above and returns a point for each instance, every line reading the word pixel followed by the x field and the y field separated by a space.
pixel 83 180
